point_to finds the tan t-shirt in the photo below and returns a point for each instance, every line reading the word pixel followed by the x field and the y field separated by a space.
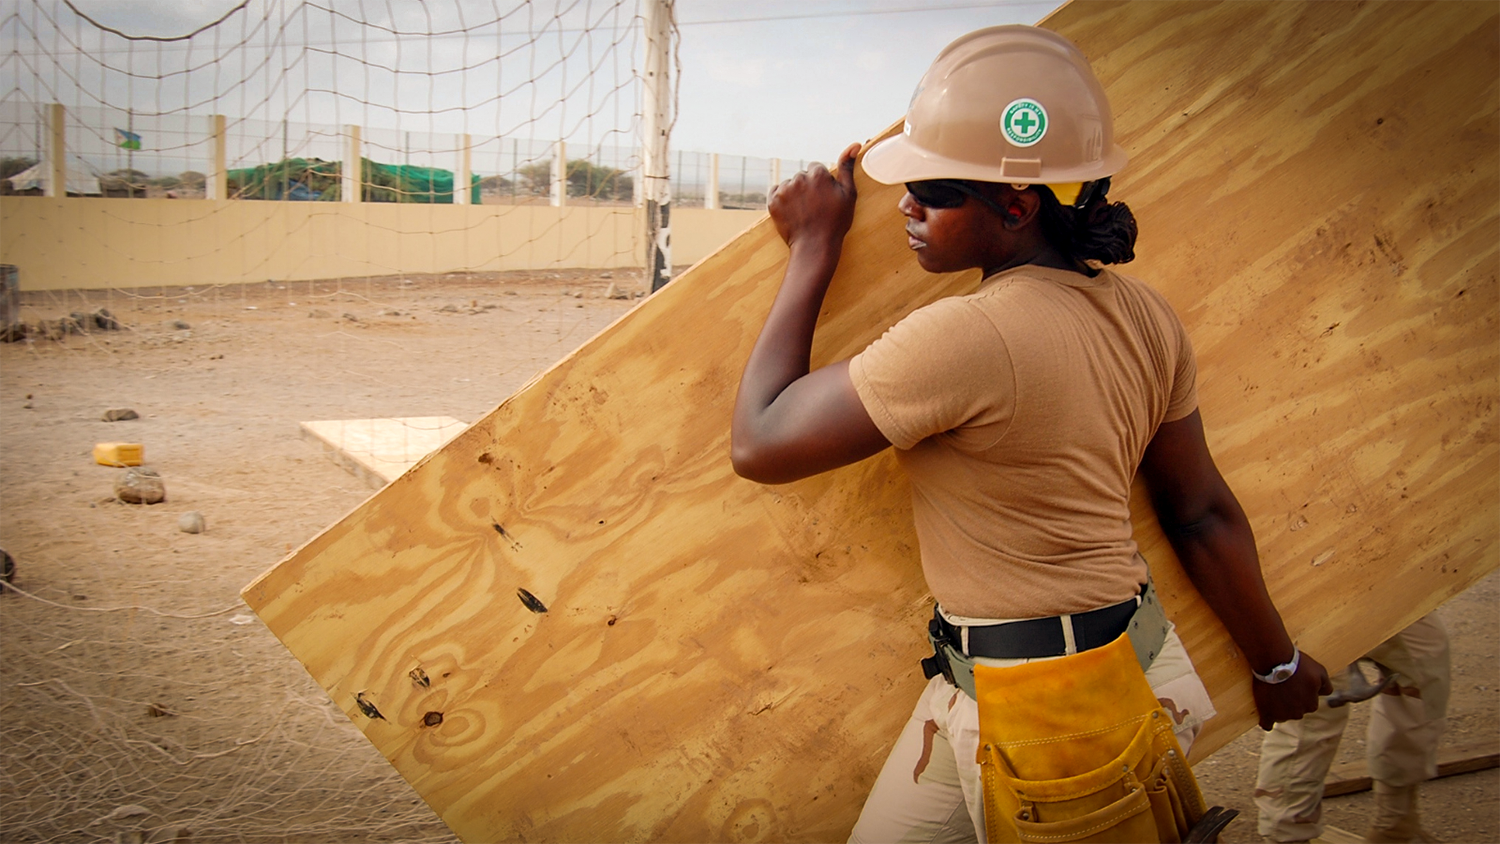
pixel 1021 413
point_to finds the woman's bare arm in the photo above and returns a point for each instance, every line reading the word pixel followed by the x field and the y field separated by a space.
pixel 1211 535
pixel 790 422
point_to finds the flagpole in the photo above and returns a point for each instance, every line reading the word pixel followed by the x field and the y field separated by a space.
pixel 130 151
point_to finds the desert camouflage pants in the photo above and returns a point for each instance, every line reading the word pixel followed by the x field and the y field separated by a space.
pixel 1405 724
pixel 930 789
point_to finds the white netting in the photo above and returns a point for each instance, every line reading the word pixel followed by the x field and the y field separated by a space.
pixel 417 92
pixel 291 75
pixel 139 699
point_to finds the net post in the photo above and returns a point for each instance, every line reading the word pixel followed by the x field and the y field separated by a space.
pixel 656 128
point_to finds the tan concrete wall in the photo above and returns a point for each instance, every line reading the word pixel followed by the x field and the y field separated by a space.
pixel 699 232
pixel 83 243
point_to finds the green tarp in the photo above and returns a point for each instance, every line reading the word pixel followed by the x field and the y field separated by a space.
pixel 314 179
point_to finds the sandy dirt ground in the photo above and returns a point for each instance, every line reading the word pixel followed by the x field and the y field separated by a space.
pixel 139 698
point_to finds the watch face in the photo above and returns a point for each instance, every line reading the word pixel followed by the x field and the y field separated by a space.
pixel 1283 672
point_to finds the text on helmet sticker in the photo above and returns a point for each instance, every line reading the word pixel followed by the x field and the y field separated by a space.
pixel 1024 122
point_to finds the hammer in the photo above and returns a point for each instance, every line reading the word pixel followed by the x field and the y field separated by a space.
pixel 1361 688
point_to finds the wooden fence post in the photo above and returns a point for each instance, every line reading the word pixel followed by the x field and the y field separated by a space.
pixel 217 185
pixel 352 184
pixel 711 193
pixel 462 177
pixel 560 174
pixel 57 151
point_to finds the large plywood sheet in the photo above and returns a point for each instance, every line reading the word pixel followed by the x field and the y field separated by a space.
pixel 1317 190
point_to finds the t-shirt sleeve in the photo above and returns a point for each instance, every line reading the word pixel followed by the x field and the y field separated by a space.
pixel 1183 399
pixel 942 367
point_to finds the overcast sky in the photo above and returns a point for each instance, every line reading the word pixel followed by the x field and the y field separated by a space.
pixel 792 79
pixel 813 75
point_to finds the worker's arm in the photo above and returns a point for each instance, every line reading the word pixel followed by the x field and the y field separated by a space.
pixel 1212 538
pixel 790 423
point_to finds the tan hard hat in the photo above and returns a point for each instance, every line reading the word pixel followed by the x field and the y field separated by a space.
pixel 1012 104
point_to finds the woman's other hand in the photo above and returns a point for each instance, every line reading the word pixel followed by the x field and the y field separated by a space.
pixel 816 204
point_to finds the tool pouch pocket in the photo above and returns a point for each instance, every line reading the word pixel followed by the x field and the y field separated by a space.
pixel 1079 749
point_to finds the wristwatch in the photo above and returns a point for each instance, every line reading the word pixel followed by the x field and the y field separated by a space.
pixel 1282 672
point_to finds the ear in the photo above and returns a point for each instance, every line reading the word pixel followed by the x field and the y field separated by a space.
pixel 1021 206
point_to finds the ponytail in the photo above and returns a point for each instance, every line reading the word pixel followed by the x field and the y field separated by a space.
pixel 1101 231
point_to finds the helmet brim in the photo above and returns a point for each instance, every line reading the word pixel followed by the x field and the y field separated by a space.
pixel 897 160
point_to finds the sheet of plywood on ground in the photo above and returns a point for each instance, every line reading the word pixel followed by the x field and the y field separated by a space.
pixel 1316 185
pixel 1354 776
pixel 379 450
pixel 1334 835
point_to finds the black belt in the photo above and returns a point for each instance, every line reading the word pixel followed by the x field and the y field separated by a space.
pixel 1041 637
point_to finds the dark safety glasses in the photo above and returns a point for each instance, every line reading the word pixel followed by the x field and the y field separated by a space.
pixel 947 193
pixel 951 193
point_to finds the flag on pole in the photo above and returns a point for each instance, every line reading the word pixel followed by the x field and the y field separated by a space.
pixel 127 140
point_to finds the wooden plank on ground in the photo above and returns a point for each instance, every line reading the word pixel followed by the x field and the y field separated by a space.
pixel 1334 835
pixel 1316 185
pixel 1354 777
pixel 379 450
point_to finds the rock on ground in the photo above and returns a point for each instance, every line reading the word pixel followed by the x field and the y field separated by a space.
pixel 140 485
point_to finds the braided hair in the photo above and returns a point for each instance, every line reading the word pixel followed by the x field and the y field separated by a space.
pixel 1100 231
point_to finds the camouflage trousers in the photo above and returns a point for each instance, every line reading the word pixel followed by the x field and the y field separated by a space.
pixel 1406 722
pixel 930 790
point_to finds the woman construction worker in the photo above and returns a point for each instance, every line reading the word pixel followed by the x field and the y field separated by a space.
pixel 1021 413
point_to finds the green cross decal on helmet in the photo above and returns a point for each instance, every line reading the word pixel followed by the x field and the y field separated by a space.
pixel 1024 122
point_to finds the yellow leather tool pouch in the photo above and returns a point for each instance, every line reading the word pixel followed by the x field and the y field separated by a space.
pixel 1078 749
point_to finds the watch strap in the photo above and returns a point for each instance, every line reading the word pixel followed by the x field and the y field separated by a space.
pixel 1283 672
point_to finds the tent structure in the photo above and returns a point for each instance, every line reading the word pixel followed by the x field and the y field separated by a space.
pixel 39 177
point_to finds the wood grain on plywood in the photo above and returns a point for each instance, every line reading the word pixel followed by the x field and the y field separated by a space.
pixel 1316 187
